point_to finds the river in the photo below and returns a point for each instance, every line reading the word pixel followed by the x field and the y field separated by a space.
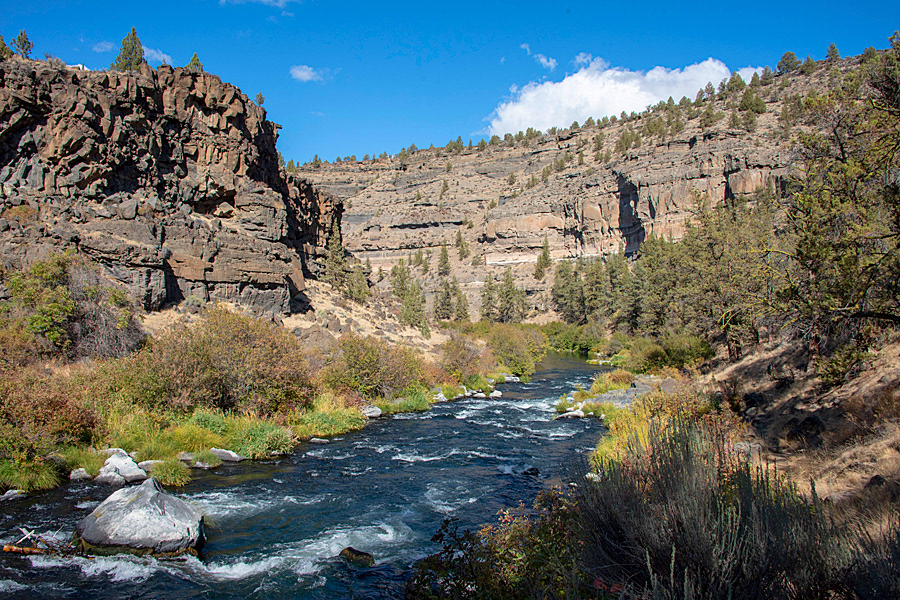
pixel 277 525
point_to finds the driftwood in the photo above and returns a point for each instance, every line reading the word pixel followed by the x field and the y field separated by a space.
pixel 49 546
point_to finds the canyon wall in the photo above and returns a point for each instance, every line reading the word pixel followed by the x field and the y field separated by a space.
pixel 168 178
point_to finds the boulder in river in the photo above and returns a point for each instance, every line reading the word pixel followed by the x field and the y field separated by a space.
pixel 226 455
pixel 120 469
pixel 357 557
pixel 143 519
pixel 371 412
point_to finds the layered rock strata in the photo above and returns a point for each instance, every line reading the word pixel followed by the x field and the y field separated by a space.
pixel 168 178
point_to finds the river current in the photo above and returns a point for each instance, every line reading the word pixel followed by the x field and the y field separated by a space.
pixel 278 525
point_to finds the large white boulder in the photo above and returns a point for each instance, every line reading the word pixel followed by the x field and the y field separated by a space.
pixel 142 519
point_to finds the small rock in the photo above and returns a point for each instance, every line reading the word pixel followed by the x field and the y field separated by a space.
pixel 111 478
pixel 371 412
pixel 479 395
pixel 575 414
pixel 185 456
pixel 111 451
pixel 12 494
pixel 496 394
pixel 79 474
pixel 202 465
pixel 668 386
pixel 317 441
pixel 124 466
pixel 226 455
pixel 357 557
pixel 149 465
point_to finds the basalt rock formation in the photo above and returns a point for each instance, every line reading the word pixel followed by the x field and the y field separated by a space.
pixel 168 178
pixel 589 198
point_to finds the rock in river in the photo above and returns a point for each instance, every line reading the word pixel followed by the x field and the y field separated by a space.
pixel 357 557
pixel 143 519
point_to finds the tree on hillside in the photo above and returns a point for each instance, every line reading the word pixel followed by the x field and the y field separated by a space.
pixel 543 260
pixel 5 52
pixel 461 245
pixel 768 77
pixel 444 261
pixel 788 62
pixel 488 299
pixel 832 55
pixel 22 45
pixel 510 300
pixel 260 99
pixel 195 66
pixel 443 301
pixel 131 56
pixel 809 66
pixel 462 304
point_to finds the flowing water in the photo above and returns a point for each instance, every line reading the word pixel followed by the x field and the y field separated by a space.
pixel 277 526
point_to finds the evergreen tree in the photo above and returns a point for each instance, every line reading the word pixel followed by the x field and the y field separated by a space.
pixel 768 77
pixel 809 66
pixel 131 56
pixel 260 99
pixel 196 66
pixel 510 300
pixel 335 262
pixel 443 302
pixel 444 261
pixel 597 292
pixel 543 261
pixel 461 245
pixel 5 52
pixel 833 55
pixel 400 279
pixel 751 102
pixel 22 45
pixel 488 299
pixel 568 294
pixel 788 62
pixel 412 309
pixel 462 304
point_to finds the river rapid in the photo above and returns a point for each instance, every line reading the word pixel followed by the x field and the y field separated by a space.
pixel 277 526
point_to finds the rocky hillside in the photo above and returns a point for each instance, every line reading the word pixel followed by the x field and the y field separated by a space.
pixel 506 197
pixel 168 178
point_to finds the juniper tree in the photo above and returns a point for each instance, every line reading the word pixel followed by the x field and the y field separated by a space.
pixel 444 261
pixel 832 54
pixel 510 300
pixel 22 45
pixel 543 260
pixel 197 67
pixel 788 62
pixel 462 304
pixel 461 245
pixel 5 52
pixel 443 301
pixel 488 299
pixel 131 56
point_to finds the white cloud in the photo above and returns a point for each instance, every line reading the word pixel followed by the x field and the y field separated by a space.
pixel 746 73
pixel 526 48
pixel 102 47
pixel 547 63
pixel 583 58
pixel 597 90
pixel 152 55
pixel 305 73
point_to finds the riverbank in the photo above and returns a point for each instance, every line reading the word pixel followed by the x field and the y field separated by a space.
pixel 281 522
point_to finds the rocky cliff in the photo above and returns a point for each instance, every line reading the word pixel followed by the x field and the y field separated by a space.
pixel 504 201
pixel 168 178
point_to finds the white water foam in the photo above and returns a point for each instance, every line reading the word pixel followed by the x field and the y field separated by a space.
pixel 227 505
pixel 413 456
pixel 7 585
pixel 447 496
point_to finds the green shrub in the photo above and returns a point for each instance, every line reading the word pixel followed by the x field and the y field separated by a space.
pixel 80 457
pixel 461 357
pixel 192 437
pixel 172 472
pixel 207 457
pixel 213 421
pixel 28 475
pixel 517 347
pixel 259 439
pixel 478 382
pixel 373 368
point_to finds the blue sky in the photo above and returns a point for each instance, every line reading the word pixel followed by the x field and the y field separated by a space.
pixel 361 78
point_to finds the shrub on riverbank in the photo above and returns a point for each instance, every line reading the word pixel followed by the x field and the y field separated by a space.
pixel 677 515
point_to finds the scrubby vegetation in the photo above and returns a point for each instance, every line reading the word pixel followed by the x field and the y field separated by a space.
pixel 220 379
pixel 669 510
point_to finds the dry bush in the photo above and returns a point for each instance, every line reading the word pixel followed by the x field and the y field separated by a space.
pixel 373 368
pixel 39 412
pixel 461 356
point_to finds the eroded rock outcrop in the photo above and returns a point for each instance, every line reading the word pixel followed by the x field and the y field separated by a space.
pixel 169 178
